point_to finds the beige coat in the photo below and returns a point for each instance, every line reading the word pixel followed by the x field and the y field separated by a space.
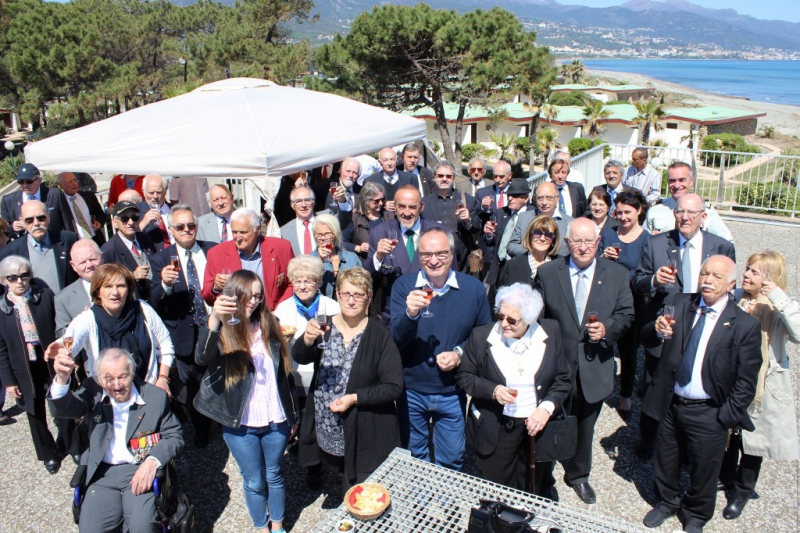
pixel 774 416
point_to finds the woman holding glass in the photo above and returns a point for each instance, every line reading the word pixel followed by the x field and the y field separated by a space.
pixel 367 214
pixel 625 244
pixel 518 377
pixel 772 411
pixel 328 234
pixel 350 419
pixel 247 389
pixel 600 209
pixel 542 241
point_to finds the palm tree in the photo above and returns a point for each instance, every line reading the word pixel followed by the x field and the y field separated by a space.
pixel 546 140
pixel 650 113
pixel 573 72
pixel 506 143
pixel 594 114
pixel 543 108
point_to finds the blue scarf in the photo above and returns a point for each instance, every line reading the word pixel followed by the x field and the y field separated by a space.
pixel 309 312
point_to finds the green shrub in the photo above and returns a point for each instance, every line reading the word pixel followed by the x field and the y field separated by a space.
pixel 523 148
pixel 618 102
pixel 578 146
pixel 468 151
pixel 725 142
pixel 572 98
pixel 767 197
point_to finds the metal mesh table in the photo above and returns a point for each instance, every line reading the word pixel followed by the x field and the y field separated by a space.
pixel 429 498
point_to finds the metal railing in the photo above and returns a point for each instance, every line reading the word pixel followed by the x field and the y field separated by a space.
pixel 737 181
pixel 588 163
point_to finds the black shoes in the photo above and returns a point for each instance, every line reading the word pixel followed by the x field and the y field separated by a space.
pixel 645 450
pixel 734 508
pixel 52 466
pixel 656 517
pixel 585 492
pixel 76 458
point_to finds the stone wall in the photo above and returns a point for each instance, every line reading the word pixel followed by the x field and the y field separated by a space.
pixel 742 127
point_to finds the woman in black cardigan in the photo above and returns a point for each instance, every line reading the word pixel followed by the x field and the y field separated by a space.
pixel 542 241
pixel 356 431
pixel 27 327
pixel 518 378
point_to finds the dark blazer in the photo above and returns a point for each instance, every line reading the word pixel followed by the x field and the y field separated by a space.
pixel 730 365
pixel 403 178
pixel 489 247
pixel 14 365
pixel 96 212
pixel 175 309
pixel 478 375
pixel 489 190
pixel 11 209
pixel 391 268
pixel 426 178
pixel 155 416
pixel 371 427
pixel 115 251
pixel 516 270
pixel 62 242
pixel 151 230
pixel 609 295
pixel 578 196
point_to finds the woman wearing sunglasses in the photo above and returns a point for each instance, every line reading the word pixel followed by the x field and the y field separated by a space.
pixel 350 419
pixel 518 377
pixel 27 326
pixel 624 244
pixel 367 214
pixel 542 242
pixel 248 389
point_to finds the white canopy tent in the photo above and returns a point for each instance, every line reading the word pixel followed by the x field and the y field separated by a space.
pixel 235 128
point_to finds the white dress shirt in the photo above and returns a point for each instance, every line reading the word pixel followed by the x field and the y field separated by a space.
pixel 199 259
pixel 76 201
pixel 416 228
pixel 564 192
pixel 219 227
pixel 695 256
pixel 573 275
pixel 694 389
pixel 301 233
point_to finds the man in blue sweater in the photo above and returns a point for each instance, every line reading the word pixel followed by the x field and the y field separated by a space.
pixel 430 334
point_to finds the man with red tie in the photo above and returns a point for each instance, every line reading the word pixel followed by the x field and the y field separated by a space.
pixel 497 193
pixel 130 247
pixel 266 256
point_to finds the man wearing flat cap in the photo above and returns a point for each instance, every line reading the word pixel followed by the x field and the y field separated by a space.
pixel 130 247
pixel 30 181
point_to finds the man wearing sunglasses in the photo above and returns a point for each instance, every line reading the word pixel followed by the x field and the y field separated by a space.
pixel 576 288
pixel 496 196
pixel 130 247
pixel 30 181
pixel 477 177
pixel 46 249
pixel 176 295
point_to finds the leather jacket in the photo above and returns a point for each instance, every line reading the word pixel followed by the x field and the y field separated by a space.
pixel 224 405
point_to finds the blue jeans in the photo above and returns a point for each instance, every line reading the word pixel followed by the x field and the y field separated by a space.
pixel 259 453
pixel 415 409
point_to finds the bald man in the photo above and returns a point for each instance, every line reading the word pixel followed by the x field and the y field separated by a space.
pixel 702 387
pixel 154 211
pixel 391 178
pixel 81 211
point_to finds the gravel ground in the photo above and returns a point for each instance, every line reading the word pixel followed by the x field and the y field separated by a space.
pixel 33 500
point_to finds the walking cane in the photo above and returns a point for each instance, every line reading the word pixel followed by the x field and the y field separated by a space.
pixel 532 483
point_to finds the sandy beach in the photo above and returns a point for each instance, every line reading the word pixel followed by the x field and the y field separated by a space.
pixel 786 118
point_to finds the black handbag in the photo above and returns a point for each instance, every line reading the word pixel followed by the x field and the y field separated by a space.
pixel 498 517
pixel 558 440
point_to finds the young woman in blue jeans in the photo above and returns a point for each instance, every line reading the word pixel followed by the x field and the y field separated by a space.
pixel 247 390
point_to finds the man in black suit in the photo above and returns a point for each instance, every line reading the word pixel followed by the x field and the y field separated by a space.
pixel 497 235
pixel 391 179
pixel 546 203
pixel 130 248
pixel 572 196
pixel 704 383
pixel 655 280
pixel 46 249
pixel 496 194
pixel 576 288
pixel 423 177
pixel 30 181
pixel 176 295
pixel 386 262
pixel 154 211
pixel 82 212
pixel 612 172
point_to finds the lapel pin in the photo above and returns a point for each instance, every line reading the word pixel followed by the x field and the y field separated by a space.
pixel 674 251
pixel 727 324
pixel 141 417
pixel 97 419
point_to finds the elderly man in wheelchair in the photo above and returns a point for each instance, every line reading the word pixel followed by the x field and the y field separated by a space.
pixel 132 434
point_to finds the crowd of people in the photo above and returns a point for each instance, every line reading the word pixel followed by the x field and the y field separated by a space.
pixel 403 307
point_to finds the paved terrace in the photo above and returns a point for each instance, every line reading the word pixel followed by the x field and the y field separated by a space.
pixel 33 500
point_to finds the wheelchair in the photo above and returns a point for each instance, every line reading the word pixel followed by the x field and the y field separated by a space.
pixel 174 511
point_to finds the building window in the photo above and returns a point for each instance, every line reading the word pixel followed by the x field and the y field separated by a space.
pixel 672 125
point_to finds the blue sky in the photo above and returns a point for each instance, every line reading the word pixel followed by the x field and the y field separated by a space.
pixel 763 9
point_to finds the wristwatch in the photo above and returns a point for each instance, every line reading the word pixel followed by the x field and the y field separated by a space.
pixel 460 353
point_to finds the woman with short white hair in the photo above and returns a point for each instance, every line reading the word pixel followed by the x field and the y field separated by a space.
pixel 518 378
pixel 328 234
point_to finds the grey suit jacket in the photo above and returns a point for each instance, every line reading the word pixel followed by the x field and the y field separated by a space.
pixel 70 302
pixel 289 232
pixel 515 247
pixel 154 417
pixel 207 228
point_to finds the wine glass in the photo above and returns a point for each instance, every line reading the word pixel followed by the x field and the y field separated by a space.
pixel 669 314
pixel 428 290
pixel 67 341
pixel 459 206
pixel 672 264
pixel 394 239
pixel 176 262
pixel 230 292
pixel 333 186
pixel 322 320
pixel 592 318
pixel 617 246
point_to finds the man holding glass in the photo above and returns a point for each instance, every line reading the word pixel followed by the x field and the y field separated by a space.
pixel 155 211
pixel 431 348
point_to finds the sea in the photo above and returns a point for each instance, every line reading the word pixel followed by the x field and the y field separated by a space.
pixel 763 81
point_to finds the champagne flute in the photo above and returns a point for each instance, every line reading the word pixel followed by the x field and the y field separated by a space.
pixel 322 320
pixel 672 264
pixel 669 314
pixel 428 290
pixel 176 262
pixel 67 341
pixel 333 186
pixel 394 239
pixel 230 292
pixel 592 318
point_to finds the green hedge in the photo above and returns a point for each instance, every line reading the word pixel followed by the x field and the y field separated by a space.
pixel 576 98
pixel 731 142
pixel 578 146
pixel 468 151
pixel 765 197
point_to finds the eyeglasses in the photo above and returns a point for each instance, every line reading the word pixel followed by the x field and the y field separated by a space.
pixel 538 234
pixel 377 201
pixel 304 283
pixel 27 182
pixel 444 175
pixel 13 278
pixel 357 296
pixel 39 218
pixel 691 214
pixel 578 244
pixel 427 256
pixel 303 201
pixel 125 218
pixel 548 198
pixel 181 227
pixel 511 321
pixel 473 170
pixel 323 235
pixel 257 297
